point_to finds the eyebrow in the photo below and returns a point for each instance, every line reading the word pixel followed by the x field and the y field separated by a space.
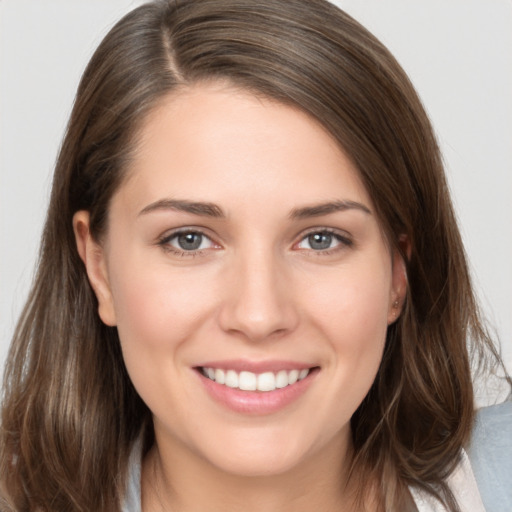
pixel 182 205
pixel 212 210
pixel 318 210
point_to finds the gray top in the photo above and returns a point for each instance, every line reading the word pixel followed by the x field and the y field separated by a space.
pixel 489 463
pixel 490 452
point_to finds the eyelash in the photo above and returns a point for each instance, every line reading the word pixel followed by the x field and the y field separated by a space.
pixel 164 242
pixel 344 241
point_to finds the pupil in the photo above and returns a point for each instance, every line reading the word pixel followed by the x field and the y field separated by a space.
pixel 190 241
pixel 320 241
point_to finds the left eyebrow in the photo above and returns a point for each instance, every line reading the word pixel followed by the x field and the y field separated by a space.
pixel 318 210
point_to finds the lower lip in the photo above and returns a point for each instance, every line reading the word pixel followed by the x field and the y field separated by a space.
pixel 257 402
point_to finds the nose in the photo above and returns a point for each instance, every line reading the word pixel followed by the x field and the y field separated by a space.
pixel 259 302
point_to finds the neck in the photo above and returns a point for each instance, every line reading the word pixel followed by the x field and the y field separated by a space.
pixel 182 482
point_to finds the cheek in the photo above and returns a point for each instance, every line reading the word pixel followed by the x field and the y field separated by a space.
pixel 158 313
pixel 155 301
pixel 351 312
pixel 353 302
pixel 157 310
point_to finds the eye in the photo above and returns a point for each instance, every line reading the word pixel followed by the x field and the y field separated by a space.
pixel 323 240
pixel 187 241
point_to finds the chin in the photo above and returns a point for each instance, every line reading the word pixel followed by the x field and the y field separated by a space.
pixel 262 456
pixel 256 465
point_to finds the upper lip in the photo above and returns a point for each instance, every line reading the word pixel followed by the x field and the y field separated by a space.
pixel 240 365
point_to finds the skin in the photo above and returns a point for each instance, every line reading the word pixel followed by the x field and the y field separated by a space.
pixel 256 290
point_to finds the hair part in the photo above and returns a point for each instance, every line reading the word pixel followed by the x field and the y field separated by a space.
pixel 70 413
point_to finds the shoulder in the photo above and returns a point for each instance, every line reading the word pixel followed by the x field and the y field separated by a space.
pixel 490 452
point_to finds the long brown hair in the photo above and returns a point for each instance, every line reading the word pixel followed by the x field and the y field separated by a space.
pixel 70 413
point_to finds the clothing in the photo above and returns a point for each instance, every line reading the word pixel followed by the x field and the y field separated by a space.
pixel 482 481
pixel 490 453
pixel 464 487
pixel 132 497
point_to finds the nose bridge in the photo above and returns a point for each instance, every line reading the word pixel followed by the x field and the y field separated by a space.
pixel 260 303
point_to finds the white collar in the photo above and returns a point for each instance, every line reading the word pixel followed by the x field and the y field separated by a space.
pixel 463 485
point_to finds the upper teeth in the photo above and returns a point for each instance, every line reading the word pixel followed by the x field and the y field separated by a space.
pixel 248 381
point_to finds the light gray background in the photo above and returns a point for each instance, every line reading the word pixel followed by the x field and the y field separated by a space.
pixel 457 52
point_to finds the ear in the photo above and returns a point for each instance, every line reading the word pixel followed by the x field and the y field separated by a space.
pixel 93 256
pixel 399 279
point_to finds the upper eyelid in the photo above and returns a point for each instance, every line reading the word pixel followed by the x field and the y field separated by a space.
pixel 323 229
pixel 166 235
pixel 333 231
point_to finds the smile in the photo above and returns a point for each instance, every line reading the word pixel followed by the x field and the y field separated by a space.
pixel 249 381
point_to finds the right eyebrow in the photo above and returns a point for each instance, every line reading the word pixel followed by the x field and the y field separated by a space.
pixel 197 208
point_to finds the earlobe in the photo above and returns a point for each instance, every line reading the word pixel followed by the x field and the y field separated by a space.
pixel 92 254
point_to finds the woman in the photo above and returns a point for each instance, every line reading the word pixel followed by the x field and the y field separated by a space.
pixel 252 293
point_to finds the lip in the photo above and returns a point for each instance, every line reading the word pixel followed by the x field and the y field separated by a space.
pixel 256 402
pixel 240 365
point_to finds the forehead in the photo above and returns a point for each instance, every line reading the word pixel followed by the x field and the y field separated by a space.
pixel 222 143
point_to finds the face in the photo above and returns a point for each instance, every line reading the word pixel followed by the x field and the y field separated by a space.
pixel 249 280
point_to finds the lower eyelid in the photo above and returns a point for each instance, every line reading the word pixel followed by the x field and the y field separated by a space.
pixel 166 247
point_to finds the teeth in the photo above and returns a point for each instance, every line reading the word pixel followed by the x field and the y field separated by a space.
pixel 231 379
pixel 282 379
pixel 248 381
pixel 220 376
pixel 293 376
pixel 266 381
